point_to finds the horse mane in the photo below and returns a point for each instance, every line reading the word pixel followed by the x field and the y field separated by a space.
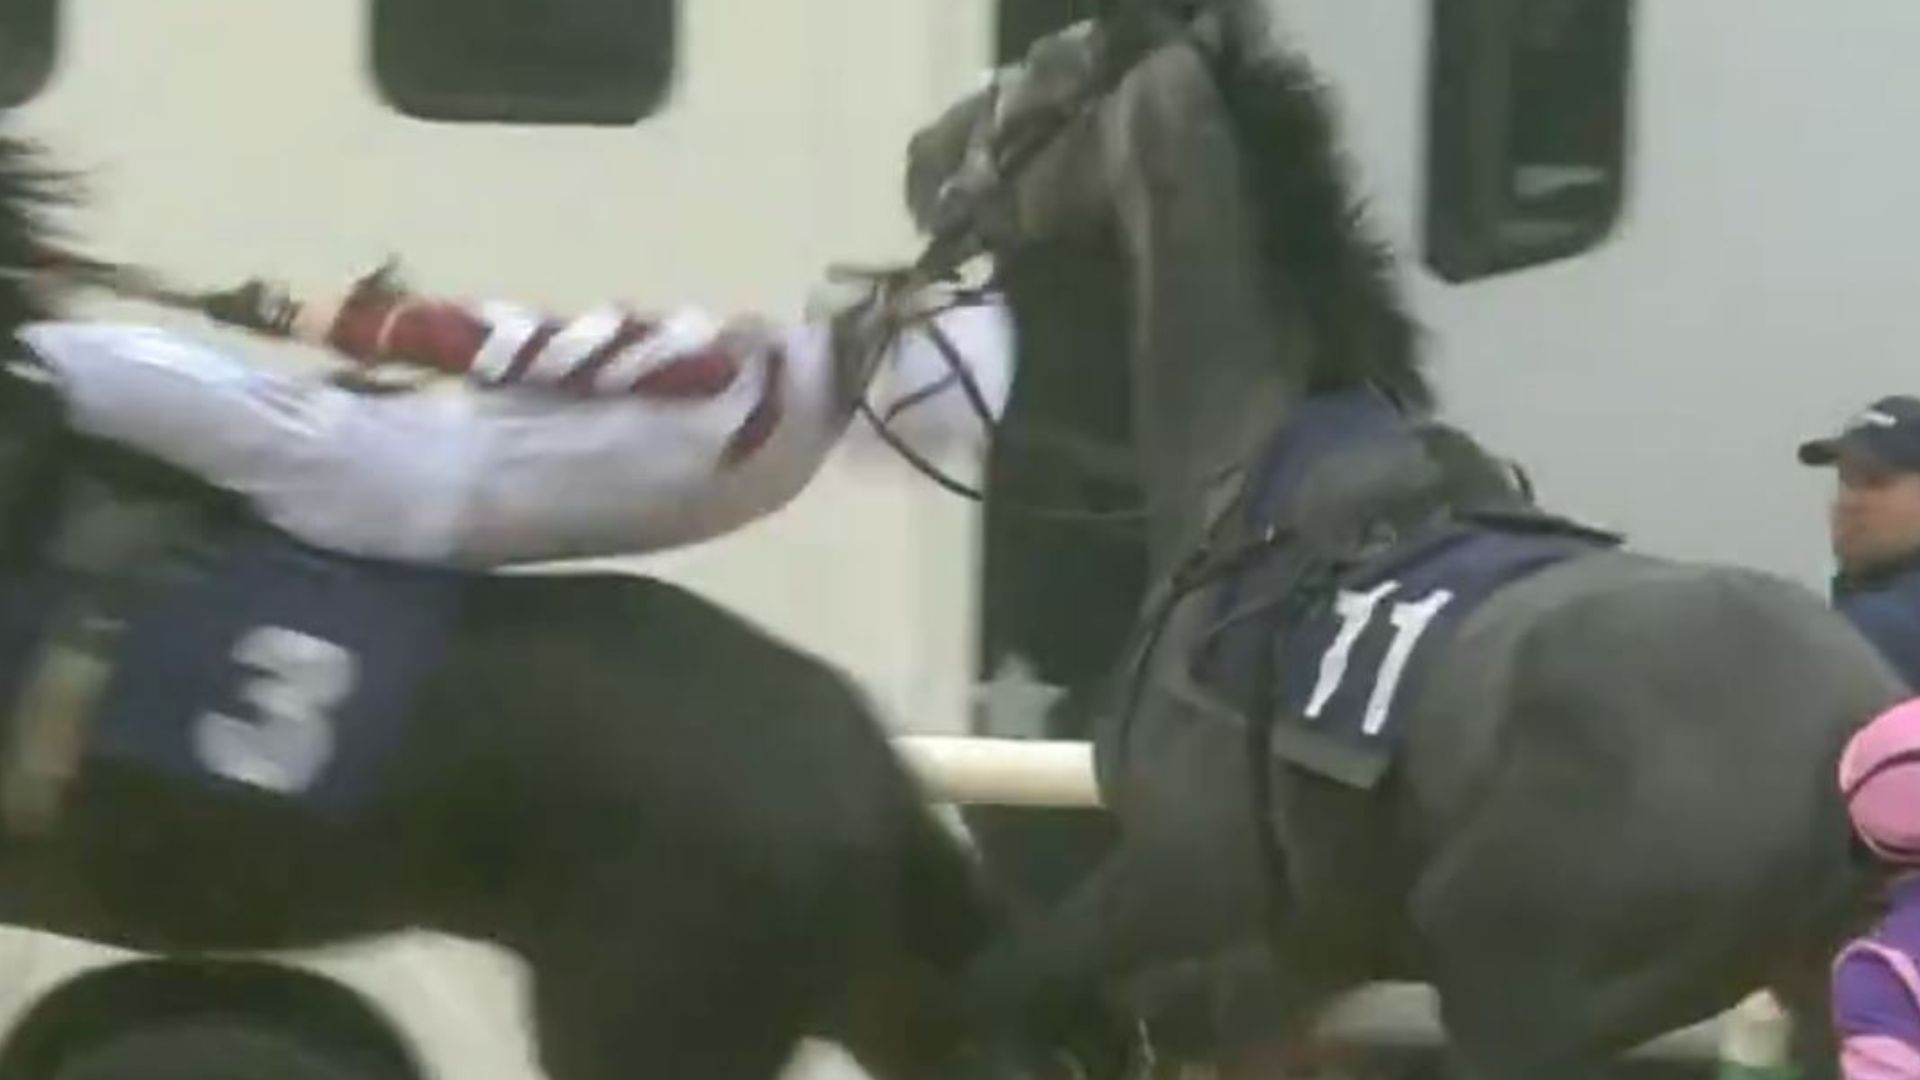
pixel 1314 229
pixel 29 190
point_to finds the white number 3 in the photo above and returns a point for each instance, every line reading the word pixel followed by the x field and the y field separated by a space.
pixel 297 680
pixel 1409 620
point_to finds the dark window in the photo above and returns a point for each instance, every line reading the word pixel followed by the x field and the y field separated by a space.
pixel 524 61
pixel 1527 131
pixel 27 32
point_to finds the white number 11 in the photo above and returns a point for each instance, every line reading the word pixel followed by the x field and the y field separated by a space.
pixel 1355 610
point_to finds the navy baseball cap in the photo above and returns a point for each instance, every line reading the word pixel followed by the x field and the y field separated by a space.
pixel 1887 431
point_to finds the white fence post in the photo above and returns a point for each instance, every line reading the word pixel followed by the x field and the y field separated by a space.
pixel 1002 772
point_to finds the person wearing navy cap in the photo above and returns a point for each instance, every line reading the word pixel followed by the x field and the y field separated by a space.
pixel 1874 524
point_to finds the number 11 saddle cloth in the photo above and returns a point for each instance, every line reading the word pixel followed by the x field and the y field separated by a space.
pixel 1338 659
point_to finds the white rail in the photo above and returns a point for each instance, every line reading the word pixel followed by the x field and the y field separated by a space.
pixel 1003 772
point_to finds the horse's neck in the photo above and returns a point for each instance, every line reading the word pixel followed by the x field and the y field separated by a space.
pixel 1217 361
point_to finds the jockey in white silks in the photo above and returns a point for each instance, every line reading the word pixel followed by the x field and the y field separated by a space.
pixel 601 435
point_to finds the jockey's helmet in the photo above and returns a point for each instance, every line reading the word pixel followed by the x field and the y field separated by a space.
pixel 1880 779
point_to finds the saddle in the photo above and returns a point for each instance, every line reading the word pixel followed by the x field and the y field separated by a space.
pixel 1413 500
pixel 1372 512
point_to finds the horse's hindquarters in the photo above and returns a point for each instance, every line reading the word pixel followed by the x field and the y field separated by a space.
pixel 1622 774
pixel 1637 680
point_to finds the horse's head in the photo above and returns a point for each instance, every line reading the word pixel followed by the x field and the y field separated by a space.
pixel 1188 176
pixel 1044 151
pixel 1108 119
pixel 1017 161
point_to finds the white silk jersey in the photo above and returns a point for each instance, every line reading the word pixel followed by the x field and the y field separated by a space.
pixel 596 436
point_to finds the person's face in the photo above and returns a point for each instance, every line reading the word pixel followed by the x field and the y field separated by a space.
pixel 1875 516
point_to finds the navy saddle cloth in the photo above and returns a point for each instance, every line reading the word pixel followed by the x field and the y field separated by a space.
pixel 1347 658
pixel 262 667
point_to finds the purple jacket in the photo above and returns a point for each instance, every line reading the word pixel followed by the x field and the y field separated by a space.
pixel 1876 993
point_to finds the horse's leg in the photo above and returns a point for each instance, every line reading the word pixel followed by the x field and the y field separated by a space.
pixel 1044 981
pixel 1808 1000
pixel 1515 1005
pixel 1537 975
pixel 696 885
pixel 899 1020
pixel 1250 1011
pixel 639 977
pixel 901 1011
pixel 1169 932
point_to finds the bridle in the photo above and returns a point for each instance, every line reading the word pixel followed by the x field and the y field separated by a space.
pixel 896 295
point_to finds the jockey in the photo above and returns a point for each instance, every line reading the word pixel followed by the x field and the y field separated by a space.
pixel 604 434
pixel 1876 982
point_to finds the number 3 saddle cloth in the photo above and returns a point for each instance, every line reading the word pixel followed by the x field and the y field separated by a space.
pixel 251 666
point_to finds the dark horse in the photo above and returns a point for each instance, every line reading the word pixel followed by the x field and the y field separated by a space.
pixel 699 839
pixel 1611 811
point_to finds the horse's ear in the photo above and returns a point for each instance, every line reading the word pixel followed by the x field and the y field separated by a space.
pixel 1236 29
pixel 1522 480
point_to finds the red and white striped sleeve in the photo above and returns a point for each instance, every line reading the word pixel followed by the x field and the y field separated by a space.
pixel 605 352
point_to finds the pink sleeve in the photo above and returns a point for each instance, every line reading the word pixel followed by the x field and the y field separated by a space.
pixel 606 352
pixel 1878 1057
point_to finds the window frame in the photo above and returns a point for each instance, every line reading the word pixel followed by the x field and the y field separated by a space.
pixel 1474 227
pixel 22 82
pixel 417 94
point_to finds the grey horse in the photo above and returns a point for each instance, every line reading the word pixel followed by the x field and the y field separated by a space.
pixel 1612 810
